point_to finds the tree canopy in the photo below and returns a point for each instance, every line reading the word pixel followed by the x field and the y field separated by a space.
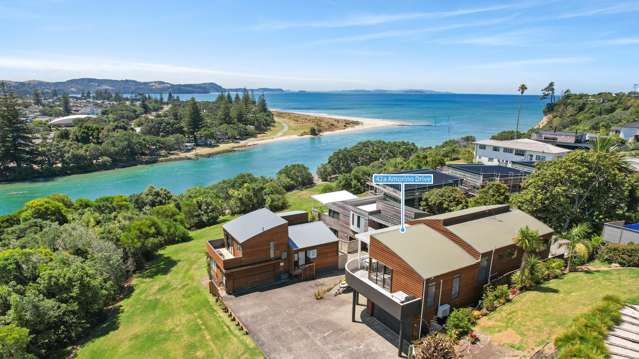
pixel 591 187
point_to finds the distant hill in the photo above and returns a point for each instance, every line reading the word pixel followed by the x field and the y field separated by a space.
pixel 76 86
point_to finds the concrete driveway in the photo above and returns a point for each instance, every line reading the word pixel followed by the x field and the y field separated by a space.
pixel 288 322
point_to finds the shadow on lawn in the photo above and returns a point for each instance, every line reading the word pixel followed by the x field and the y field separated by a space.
pixel 544 289
pixel 160 265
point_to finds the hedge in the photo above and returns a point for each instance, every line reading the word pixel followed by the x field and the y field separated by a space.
pixel 626 255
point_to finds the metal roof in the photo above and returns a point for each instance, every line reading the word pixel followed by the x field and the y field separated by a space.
pixel 331 197
pixel 310 234
pixel 471 210
pixel 427 251
pixel 525 144
pixel 490 170
pixel 439 179
pixel 496 231
pixel 253 223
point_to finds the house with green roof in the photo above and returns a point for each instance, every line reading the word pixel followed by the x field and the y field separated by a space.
pixel 440 262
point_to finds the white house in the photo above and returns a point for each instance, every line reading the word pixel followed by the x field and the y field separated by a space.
pixel 628 132
pixel 494 152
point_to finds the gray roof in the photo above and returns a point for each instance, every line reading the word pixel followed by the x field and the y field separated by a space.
pixel 497 231
pixel 634 124
pixel 289 213
pixel 427 251
pixel 253 223
pixel 309 235
pixel 463 212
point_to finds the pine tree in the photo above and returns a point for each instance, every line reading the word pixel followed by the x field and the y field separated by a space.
pixel 16 144
pixel 261 105
pixel 169 97
pixel 66 104
pixel 37 97
pixel 193 119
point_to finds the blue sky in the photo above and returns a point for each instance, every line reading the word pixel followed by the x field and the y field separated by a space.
pixel 460 46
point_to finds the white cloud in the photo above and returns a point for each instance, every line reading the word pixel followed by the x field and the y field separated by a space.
pixel 70 66
pixel 532 62
pixel 606 10
pixel 409 32
pixel 620 41
pixel 373 19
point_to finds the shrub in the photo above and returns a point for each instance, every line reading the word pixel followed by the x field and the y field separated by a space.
pixel 495 296
pixel 327 187
pixel 626 255
pixel 436 346
pixel 460 322
pixel 294 176
pixel 46 210
pixel 585 336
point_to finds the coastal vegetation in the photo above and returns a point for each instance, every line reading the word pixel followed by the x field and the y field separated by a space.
pixel 595 113
pixel 137 130
pixel 63 261
pixel 308 124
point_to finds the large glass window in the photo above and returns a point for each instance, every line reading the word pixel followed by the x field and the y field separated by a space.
pixel 482 147
pixel 508 150
pixel 520 153
pixel 496 148
pixel 333 214
pixel 430 294
pixel 455 292
pixel 380 274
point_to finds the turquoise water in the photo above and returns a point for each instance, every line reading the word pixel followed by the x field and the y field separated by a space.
pixel 431 119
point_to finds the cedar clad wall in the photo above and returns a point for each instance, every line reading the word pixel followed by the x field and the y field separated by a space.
pixel 469 290
pixel 257 249
pixel 404 277
pixel 326 257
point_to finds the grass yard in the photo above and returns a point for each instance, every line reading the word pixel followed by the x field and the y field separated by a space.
pixel 170 313
pixel 536 317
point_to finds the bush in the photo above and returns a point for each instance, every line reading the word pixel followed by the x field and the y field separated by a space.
pixel 585 336
pixel 436 346
pixel 46 210
pixel 295 176
pixel 14 341
pixel 495 296
pixel 442 200
pixel 626 255
pixel 460 322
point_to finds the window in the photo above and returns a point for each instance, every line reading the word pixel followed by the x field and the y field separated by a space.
pixel 352 218
pixel 311 253
pixel 358 221
pixel 455 292
pixel 430 294
pixel 482 147
pixel 508 150
pixel 520 153
pixel 238 250
pixel 496 149
pixel 333 214
pixel 380 274
pixel 540 158
pixel 510 253
pixel 284 255
pixel 271 249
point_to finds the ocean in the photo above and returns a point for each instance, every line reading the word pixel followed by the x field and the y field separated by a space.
pixel 429 118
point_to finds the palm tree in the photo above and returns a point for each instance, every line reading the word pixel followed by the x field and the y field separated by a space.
pixel 522 88
pixel 577 234
pixel 529 241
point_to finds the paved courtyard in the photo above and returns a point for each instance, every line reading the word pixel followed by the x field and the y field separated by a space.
pixel 288 322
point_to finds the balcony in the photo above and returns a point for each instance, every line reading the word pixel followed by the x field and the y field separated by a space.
pixel 221 255
pixel 392 303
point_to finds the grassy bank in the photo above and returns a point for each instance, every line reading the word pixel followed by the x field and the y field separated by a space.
pixel 536 317
pixel 170 313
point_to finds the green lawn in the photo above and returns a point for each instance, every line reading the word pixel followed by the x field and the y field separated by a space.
pixel 536 317
pixel 170 313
